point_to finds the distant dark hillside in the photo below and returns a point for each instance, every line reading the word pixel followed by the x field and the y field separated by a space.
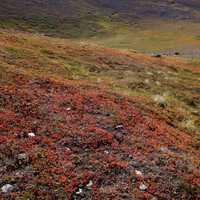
pixel 80 17
pixel 180 9
pixel 60 17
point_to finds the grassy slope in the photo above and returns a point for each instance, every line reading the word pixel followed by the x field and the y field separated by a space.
pixel 133 74
pixel 110 24
pixel 151 36
pixel 147 36
pixel 65 19
pixel 63 92
pixel 73 96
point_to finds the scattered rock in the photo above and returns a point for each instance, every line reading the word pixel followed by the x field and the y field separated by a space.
pixel 120 126
pixel 157 55
pixel 176 53
pixel 149 73
pixel 172 1
pixel 90 184
pixel 165 149
pixel 106 152
pixel 161 100
pixel 138 173
pixel 98 80
pixel 7 188
pixel 158 83
pixel 31 134
pixel 22 159
pixel 22 156
pixel 143 187
pixel 68 109
pixel 147 81
pixel 80 191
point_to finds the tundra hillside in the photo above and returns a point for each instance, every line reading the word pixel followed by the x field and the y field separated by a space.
pixel 99 100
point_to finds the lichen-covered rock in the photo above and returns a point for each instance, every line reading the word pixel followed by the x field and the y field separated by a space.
pixel 7 188
pixel 143 187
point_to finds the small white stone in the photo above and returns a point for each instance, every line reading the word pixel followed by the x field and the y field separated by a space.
pixel 68 109
pixel 80 191
pixel 17 173
pixel 166 78
pixel 7 188
pixel 90 183
pixel 98 80
pixel 31 134
pixel 22 156
pixel 164 149
pixel 143 187
pixel 150 73
pixel 158 83
pixel 160 99
pixel 147 81
pixel 119 126
pixel 138 173
pixel 106 152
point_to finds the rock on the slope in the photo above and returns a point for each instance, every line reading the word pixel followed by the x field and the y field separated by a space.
pixel 161 100
pixel 138 173
pixel 90 184
pixel 22 156
pixel 7 188
pixel 80 191
pixel 31 134
pixel 22 159
pixel 143 187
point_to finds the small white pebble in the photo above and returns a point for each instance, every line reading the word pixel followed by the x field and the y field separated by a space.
pixel 80 191
pixel 143 187
pixel 147 81
pixel 98 80
pixel 106 152
pixel 31 134
pixel 164 149
pixel 22 156
pixel 119 126
pixel 166 78
pixel 138 173
pixel 7 188
pixel 130 156
pixel 160 99
pixel 149 73
pixel 68 109
pixel 90 183
pixel 17 173
pixel 158 83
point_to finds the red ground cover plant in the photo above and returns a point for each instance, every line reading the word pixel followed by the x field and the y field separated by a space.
pixel 89 144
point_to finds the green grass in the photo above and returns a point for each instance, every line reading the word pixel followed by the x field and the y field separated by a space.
pixel 82 26
pixel 197 37
pixel 148 36
pixel 17 53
